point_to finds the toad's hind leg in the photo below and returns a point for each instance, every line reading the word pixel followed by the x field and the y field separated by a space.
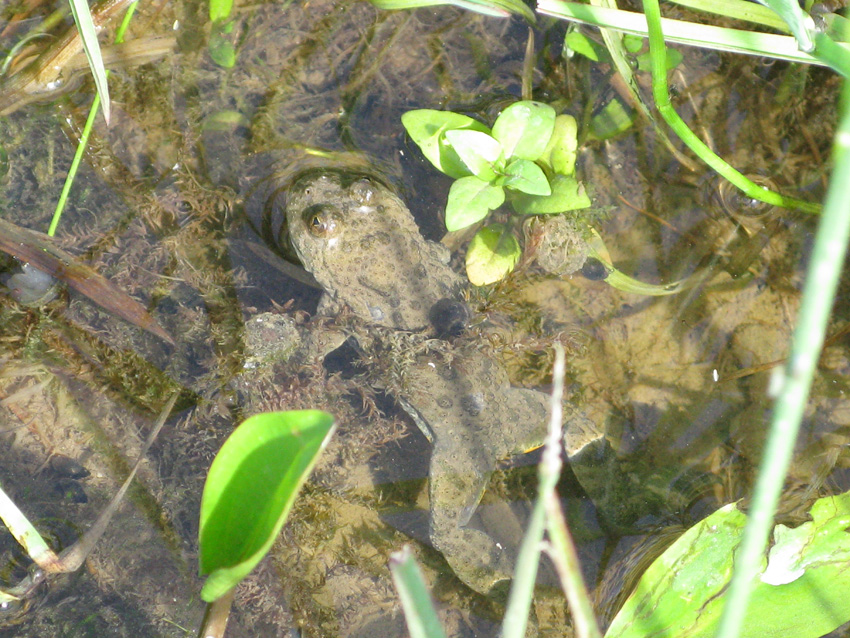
pixel 456 485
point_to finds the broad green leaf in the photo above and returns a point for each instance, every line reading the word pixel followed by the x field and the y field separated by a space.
pixel 801 591
pixel 567 194
pixel 524 129
pixel 426 127
pixel 470 200
pixel 220 10
pixel 560 153
pixel 495 8
pixel 250 488
pixel 479 152
pixel 492 255
pixel 225 120
pixel 633 43
pixel 526 177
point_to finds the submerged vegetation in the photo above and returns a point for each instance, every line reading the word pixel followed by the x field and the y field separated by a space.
pixel 161 229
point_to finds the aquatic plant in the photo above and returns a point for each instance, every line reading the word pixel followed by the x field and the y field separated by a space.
pixel 250 488
pixel 527 158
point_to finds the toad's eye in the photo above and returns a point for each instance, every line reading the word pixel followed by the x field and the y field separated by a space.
pixel 322 221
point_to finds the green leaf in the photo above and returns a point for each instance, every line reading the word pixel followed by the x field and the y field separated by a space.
pixel 492 255
pixel 526 177
pixel 560 154
pixel 674 58
pixel 419 611
pixel 220 10
pixel 88 35
pixel 610 121
pixel 225 120
pixel 470 200
pixel 221 49
pixel 479 152
pixel 633 43
pixel 426 127
pixel 567 194
pixel 577 42
pixel 524 129
pixel 801 591
pixel 250 488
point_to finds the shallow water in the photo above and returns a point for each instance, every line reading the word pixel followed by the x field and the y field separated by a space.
pixel 171 206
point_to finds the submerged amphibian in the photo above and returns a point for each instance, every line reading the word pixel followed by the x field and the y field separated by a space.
pixel 362 245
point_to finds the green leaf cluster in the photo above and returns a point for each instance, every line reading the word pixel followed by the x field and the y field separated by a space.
pixel 527 159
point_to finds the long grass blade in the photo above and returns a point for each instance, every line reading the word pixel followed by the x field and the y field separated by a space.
pixel 419 612
pixel 88 34
pixel 779 47
pixel 494 8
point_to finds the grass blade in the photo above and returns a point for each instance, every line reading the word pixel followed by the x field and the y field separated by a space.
pixel 419 612
pixel 792 385
pixel 779 47
pixel 88 34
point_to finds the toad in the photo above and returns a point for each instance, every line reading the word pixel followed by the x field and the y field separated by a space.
pixel 362 245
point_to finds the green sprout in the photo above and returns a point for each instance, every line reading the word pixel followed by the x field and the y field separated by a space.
pixel 527 160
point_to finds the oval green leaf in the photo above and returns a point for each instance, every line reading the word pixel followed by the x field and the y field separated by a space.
pixel 479 151
pixel 526 177
pixel 524 129
pixel 221 49
pixel 470 200
pixel 250 488
pixel 567 194
pixel 427 127
pixel 560 154
pixel 612 120
pixel 492 255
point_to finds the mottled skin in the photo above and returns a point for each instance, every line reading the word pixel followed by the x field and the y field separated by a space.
pixel 362 245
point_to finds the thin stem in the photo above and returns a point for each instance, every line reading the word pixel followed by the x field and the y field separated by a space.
pixel 793 382
pixel 84 138
pixel 660 93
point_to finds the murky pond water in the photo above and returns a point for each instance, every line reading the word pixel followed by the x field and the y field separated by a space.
pixel 178 202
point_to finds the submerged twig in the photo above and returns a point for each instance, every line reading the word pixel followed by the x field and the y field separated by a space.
pixel 73 557
pixel 39 250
